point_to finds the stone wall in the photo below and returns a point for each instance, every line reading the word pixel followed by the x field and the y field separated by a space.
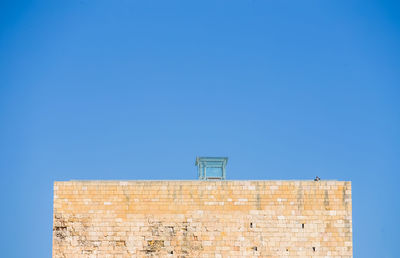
pixel 202 219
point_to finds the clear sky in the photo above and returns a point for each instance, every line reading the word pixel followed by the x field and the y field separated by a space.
pixel 123 89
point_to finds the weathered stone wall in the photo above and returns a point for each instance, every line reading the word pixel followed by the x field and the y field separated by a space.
pixel 202 219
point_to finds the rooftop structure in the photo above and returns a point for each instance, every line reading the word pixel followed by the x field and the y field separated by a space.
pixel 211 168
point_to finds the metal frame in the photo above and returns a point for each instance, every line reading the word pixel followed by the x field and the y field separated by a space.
pixel 203 163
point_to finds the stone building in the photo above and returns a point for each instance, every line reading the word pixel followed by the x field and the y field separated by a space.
pixel 202 218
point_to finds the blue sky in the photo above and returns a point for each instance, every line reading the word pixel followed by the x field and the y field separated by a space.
pixel 98 89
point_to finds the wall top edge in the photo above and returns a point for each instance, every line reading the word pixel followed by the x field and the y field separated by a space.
pixel 196 181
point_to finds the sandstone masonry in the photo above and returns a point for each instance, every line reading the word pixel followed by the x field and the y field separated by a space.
pixel 202 219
